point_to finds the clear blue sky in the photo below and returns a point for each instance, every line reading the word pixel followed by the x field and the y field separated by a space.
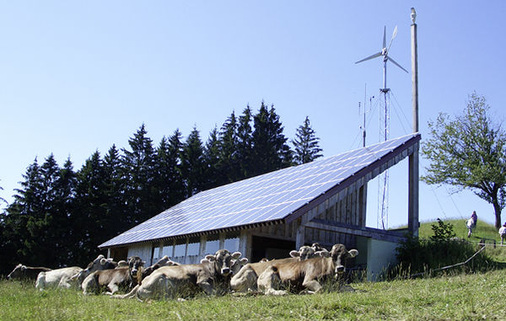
pixel 76 77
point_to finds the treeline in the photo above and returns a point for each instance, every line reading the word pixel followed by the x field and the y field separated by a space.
pixel 59 216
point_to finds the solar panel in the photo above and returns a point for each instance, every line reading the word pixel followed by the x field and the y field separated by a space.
pixel 264 198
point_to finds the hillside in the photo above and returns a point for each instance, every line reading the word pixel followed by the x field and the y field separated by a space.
pixel 483 230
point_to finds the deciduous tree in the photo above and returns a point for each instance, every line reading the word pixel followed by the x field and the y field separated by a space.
pixel 468 152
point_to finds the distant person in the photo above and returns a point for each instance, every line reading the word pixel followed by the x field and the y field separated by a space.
pixel 502 232
pixel 471 223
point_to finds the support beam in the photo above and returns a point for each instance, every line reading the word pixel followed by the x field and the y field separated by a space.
pixel 413 197
pixel 413 201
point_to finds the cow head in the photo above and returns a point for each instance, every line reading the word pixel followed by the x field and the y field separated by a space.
pixel 237 264
pixel 339 255
pixel 134 264
pixel 18 271
pixel 305 252
pixel 100 263
pixel 222 261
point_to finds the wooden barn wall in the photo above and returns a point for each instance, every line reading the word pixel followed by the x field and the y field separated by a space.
pixel 347 207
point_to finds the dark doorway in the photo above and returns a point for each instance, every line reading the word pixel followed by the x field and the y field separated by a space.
pixel 264 247
pixel 119 253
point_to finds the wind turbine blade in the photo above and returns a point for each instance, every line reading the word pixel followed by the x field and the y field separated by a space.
pixel 394 34
pixel 370 57
pixel 385 37
pixel 395 63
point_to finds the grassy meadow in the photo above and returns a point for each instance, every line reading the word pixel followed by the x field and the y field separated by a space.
pixel 461 297
pixel 471 296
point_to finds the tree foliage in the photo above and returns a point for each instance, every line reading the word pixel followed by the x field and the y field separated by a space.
pixel 468 152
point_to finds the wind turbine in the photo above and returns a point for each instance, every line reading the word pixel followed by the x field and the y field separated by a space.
pixel 384 52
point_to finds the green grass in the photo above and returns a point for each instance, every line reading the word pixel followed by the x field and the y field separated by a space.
pixel 462 297
pixel 483 230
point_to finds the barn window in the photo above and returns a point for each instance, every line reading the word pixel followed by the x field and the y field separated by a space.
pixel 212 244
pixel 168 249
pixel 193 246
pixel 156 253
pixel 232 243
pixel 180 249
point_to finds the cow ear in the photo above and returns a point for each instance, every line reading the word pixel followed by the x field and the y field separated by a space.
pixel 294 253
pixel 100 257
pixel 322 253
pixel 244 260
pixel 205 260
pixel 236 255
pixel 353 252
pixel 103 261
pixel 210 257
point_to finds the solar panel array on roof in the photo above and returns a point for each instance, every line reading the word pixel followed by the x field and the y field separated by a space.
pixel 268 197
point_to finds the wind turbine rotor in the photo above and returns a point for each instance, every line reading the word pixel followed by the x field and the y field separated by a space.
pixel 384 51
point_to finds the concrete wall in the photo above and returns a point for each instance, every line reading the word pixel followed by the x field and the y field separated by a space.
pixel 380 255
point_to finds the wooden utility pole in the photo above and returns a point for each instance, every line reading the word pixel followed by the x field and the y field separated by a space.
pixel 413 202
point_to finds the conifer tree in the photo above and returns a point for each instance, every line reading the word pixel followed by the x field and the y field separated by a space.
pixel 213 175
pixel 229 164
pixel 269 143
pixel 63 214
pixel 306 144
pixel 92 221
pixel 176 181
pixel 138 175
pixel 245 143
pixel 193 163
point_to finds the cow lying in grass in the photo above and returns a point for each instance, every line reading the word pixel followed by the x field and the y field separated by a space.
pixel 57 278
pixel 23 272
pixel 186 279
pixel 113 279
pixel 246 279
pixel 304 275
pixel 122 277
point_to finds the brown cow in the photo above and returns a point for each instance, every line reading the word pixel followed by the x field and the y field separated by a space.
pixel 246 279
pixel 186 279
pixel 23 272
pixel 113 279
pixel 306 274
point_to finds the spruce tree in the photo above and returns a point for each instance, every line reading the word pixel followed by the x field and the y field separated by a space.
pixel 92 221
pixel 63 214
pixel 270 149
pixel 138 175
pixel 229 163
pixel 193 163
pixel 17 237
pixel 176 181
pixel 306 144
pixel 245 143
pixel 213 175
